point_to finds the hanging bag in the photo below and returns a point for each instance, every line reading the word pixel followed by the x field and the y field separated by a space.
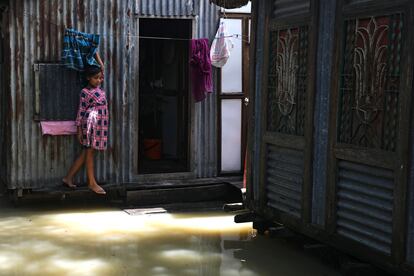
pixel 221 46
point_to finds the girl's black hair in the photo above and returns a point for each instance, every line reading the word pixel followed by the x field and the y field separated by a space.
pixel 91 71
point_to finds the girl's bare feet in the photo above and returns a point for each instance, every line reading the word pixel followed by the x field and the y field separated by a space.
pixel 69 183
pixel 96 188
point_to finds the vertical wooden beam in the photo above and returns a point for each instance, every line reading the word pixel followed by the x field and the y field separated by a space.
pixel 307 184
pixel 400 208
pixel 250 109
pixel 332 161
pixel 263 153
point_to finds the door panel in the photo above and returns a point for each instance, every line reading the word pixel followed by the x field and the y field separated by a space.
pixel 369 127
pixel 370 80
pixel 231 140
pixel 231 73
pixel 287 77
pixel 284 178
pixel 365 203
pixel 287 139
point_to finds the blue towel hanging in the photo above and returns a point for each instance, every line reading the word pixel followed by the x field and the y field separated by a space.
pixel 79 49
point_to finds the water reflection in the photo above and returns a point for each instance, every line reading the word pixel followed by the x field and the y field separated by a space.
pixel 111 242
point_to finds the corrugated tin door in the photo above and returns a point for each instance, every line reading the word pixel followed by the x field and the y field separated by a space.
pixel 289 110
pixel 369 126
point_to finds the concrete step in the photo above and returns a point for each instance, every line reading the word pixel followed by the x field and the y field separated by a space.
pixel 193 193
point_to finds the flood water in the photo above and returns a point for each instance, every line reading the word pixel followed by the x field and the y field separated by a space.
pixel 111 242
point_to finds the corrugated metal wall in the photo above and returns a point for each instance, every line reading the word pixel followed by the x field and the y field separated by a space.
pixel 36 29
pixel 365 204
pixel 284 179
pixel 2 124
pixel 3 116
pixel 206 111
pixel 168 7
pixel 410 198
pixel 288 8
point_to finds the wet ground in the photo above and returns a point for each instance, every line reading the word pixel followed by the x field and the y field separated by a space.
pixel 109 241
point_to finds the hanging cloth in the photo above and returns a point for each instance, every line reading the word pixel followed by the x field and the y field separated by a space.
pixel 79 49
pixel 201 71
pixel 58 127
pixel 220 49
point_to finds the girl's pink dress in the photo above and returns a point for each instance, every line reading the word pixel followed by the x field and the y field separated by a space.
pixel 93 118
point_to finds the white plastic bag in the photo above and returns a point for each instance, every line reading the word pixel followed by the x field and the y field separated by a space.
pixel 221 46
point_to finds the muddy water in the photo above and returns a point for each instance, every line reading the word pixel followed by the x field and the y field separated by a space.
pixel 112 242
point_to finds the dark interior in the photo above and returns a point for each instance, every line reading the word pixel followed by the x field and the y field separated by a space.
pixel 163 96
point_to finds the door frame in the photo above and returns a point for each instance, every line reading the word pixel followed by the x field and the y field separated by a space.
pixel 246 42
pixel 305 142
pixel 190 173
pixel 396 161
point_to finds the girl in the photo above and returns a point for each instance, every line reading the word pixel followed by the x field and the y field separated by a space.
pixel 92 122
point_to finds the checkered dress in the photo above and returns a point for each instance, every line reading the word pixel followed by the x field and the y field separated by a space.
pixel 93 118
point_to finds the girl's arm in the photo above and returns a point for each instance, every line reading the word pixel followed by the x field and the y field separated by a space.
pixel 99 60
pixel 83 106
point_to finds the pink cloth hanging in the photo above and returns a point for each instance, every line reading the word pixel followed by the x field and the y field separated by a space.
pixel 58 127
pixel 201 71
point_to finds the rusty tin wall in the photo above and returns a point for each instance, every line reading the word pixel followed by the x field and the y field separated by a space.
pixel 205 149
pixel 168 7
pixel 35 36
pixel 36 29
pixel 3 116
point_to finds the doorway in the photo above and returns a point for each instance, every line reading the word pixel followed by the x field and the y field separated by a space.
pixel 164 95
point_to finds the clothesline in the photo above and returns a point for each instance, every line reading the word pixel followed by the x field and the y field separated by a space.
pixel 236 36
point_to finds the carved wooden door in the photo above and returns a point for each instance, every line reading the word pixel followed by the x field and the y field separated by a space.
pixel 287 138
pixel 369 126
